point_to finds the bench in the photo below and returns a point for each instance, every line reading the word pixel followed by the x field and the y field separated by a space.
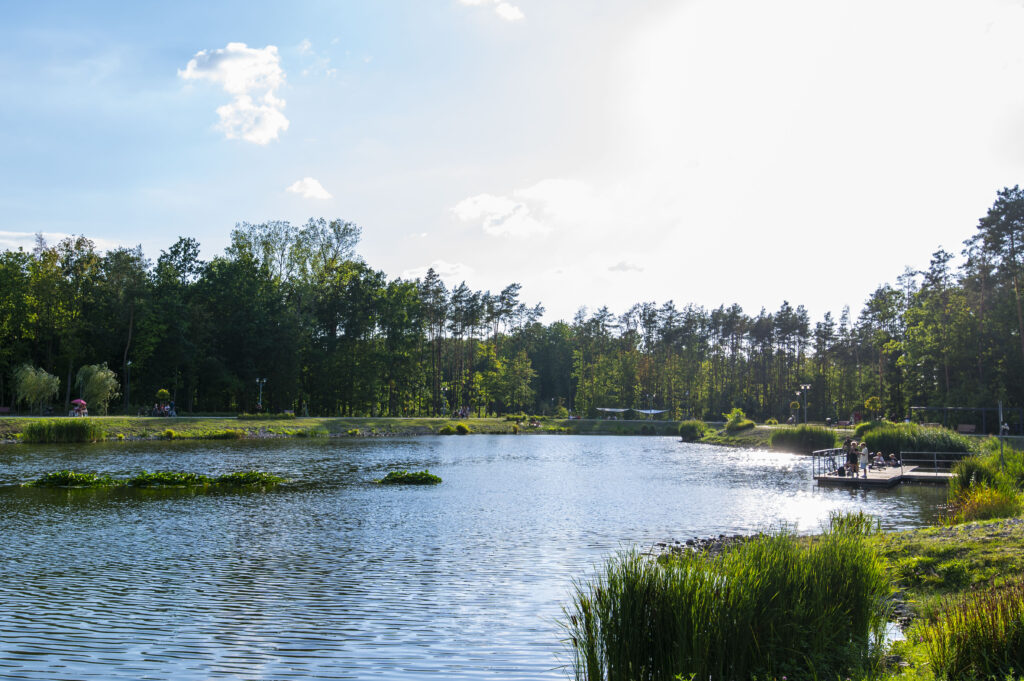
pixel 5 410
pixel 844 424
pixel 966 428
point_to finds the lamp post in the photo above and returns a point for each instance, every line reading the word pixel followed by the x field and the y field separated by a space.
pixel 802 393
pixel 127 385
pixel 259 400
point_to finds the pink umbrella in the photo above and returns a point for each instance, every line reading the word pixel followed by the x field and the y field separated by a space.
pixel 80 402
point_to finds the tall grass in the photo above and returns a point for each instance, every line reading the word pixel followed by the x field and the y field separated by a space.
pixel 63 430
pixel 802 439
pixel 971 472
pixel 980 636
pixel 864 427
pixel 910 437
pixel 985 503
pixel 692 430
pixel 769 608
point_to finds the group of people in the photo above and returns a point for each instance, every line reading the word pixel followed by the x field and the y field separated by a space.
pixel 162 409
pixel 859 457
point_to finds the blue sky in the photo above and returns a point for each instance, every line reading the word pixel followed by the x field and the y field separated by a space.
pixel 598 152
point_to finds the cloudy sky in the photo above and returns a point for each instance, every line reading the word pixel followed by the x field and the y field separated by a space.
pixel 600 152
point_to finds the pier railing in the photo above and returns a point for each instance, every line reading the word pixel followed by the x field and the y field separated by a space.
pixel 825 461
pixel 931 462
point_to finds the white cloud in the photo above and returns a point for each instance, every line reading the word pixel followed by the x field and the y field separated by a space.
pixel 12 241
pixel 309 188
pixel 505 10
pixel 500 216
pixel 305 47
pixel 624 266
pixel 450 272
pixel 253 77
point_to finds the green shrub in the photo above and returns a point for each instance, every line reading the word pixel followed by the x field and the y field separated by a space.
pixel 169 434
pixel 61 430
pixel 802 439
pixel 227 434
pixel 462 429
pixel 404 477
pixel 247 478
pixel 352 432
pixel 971 472
pixel 446 430
pixel 312 432
pixel 167 479
pixel 72 479
pixel 866 426
pixel 561 412
pixel 980 636
pixel 771 422
pixel 769 608
pixel 910 437
pixel 736 421
pixel 985 503
pixel 692 430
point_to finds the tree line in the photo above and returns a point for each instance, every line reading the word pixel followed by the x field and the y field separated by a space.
pixel 296 306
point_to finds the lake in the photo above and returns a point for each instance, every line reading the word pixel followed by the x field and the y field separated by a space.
pixel 334 577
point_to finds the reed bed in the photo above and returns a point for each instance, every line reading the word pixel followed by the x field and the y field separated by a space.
pixel 802 439
pixel 980 636
pixel 156 479
pixel 771 608
pixel 692 430
pixel 60 430
pixel 910 437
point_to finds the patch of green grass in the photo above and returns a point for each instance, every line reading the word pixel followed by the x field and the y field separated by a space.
pixel 60 430
pixel 404 477
pixel 910 437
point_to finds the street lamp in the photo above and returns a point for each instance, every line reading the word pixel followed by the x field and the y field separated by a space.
pixel 259 400
pixel 804 387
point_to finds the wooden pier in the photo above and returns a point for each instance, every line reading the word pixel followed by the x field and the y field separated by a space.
pixel 917 467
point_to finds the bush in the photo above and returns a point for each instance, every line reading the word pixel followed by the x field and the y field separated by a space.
pixel 169 434
pixel 692 430
pixel 736 421
pixel 63 430
pixel 971 472
pixel 446 430
pixel 771 422
pixel 802 439
pixel 462 429
pixel 910 437
pixel 771 607
pixel 561 412
pixel 352 432
pixel 980 636
pixel 404 477
pixel 866 426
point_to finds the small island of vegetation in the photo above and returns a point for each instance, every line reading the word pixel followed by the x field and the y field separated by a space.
pixel 67 478
pixel 404 477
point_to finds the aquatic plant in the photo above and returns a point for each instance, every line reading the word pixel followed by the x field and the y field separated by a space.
pixel 246 478
pixel 404 477
pixel 910 437
pixel 866 426
pixel 692 430
pixel 462 429
pixel 446 430
pixel 771 607
pixel 312 432
pixel 802 439
pixel 60 430
pixel 72 479
pixel 979 636
pixel 971 472
pixel 167 478
pixel 985 503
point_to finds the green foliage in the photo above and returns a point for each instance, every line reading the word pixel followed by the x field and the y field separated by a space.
pixel 312 432
pixel 266 417
pixel 352 432
pixel 979 636
pixel 98 385
pixel 169 434
pixel 63 430
pixel 690 431
pixel 802 439
pixel 910 437
pixel 163 395
pixel 973 471
pixel 167 479
pixel 985 503
pixel 866 426
pixel 35 386
pixel 873 405
pixel 462 429
pixel 560 412
pixel 247 479
pixel 446 430
pixel 72 479
pixel 769 608
pixel 226 434
pixel 404 477
pixel 771 422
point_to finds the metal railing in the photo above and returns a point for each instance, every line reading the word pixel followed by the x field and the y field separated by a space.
pixel 931 462
pixel 826 461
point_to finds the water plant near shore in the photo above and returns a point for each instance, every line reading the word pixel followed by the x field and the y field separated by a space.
pixel 72 479
pixel 245 478
pixel 771 607
pixel 404 477
pixel 910 437
pixel 156 479
pixel 692 430
pixel 802 439
pixel 62 430
pixel 167 478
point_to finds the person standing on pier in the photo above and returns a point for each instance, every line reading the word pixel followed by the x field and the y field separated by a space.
pixel 864 454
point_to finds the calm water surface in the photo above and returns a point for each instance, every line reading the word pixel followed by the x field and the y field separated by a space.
pixel 333 577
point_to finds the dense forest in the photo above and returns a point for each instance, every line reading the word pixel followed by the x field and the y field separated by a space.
pixel 332 336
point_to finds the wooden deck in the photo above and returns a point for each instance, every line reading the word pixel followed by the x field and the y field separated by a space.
pixel 885 477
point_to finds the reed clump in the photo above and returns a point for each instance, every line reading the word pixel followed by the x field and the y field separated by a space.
pixel 462 429
pixel 802 439
pixel 910 437
pixel 770 608
pixel 61 430
pixel 72 479
pixel 404 477
pixel 167 479
pixel 979 636
pixel 692 430
pixel 866 426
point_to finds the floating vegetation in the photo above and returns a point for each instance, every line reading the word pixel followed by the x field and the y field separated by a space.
pixel 156 479
pixel 72 479
pixel 406 478
pixel 248 478
pixel 60 430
